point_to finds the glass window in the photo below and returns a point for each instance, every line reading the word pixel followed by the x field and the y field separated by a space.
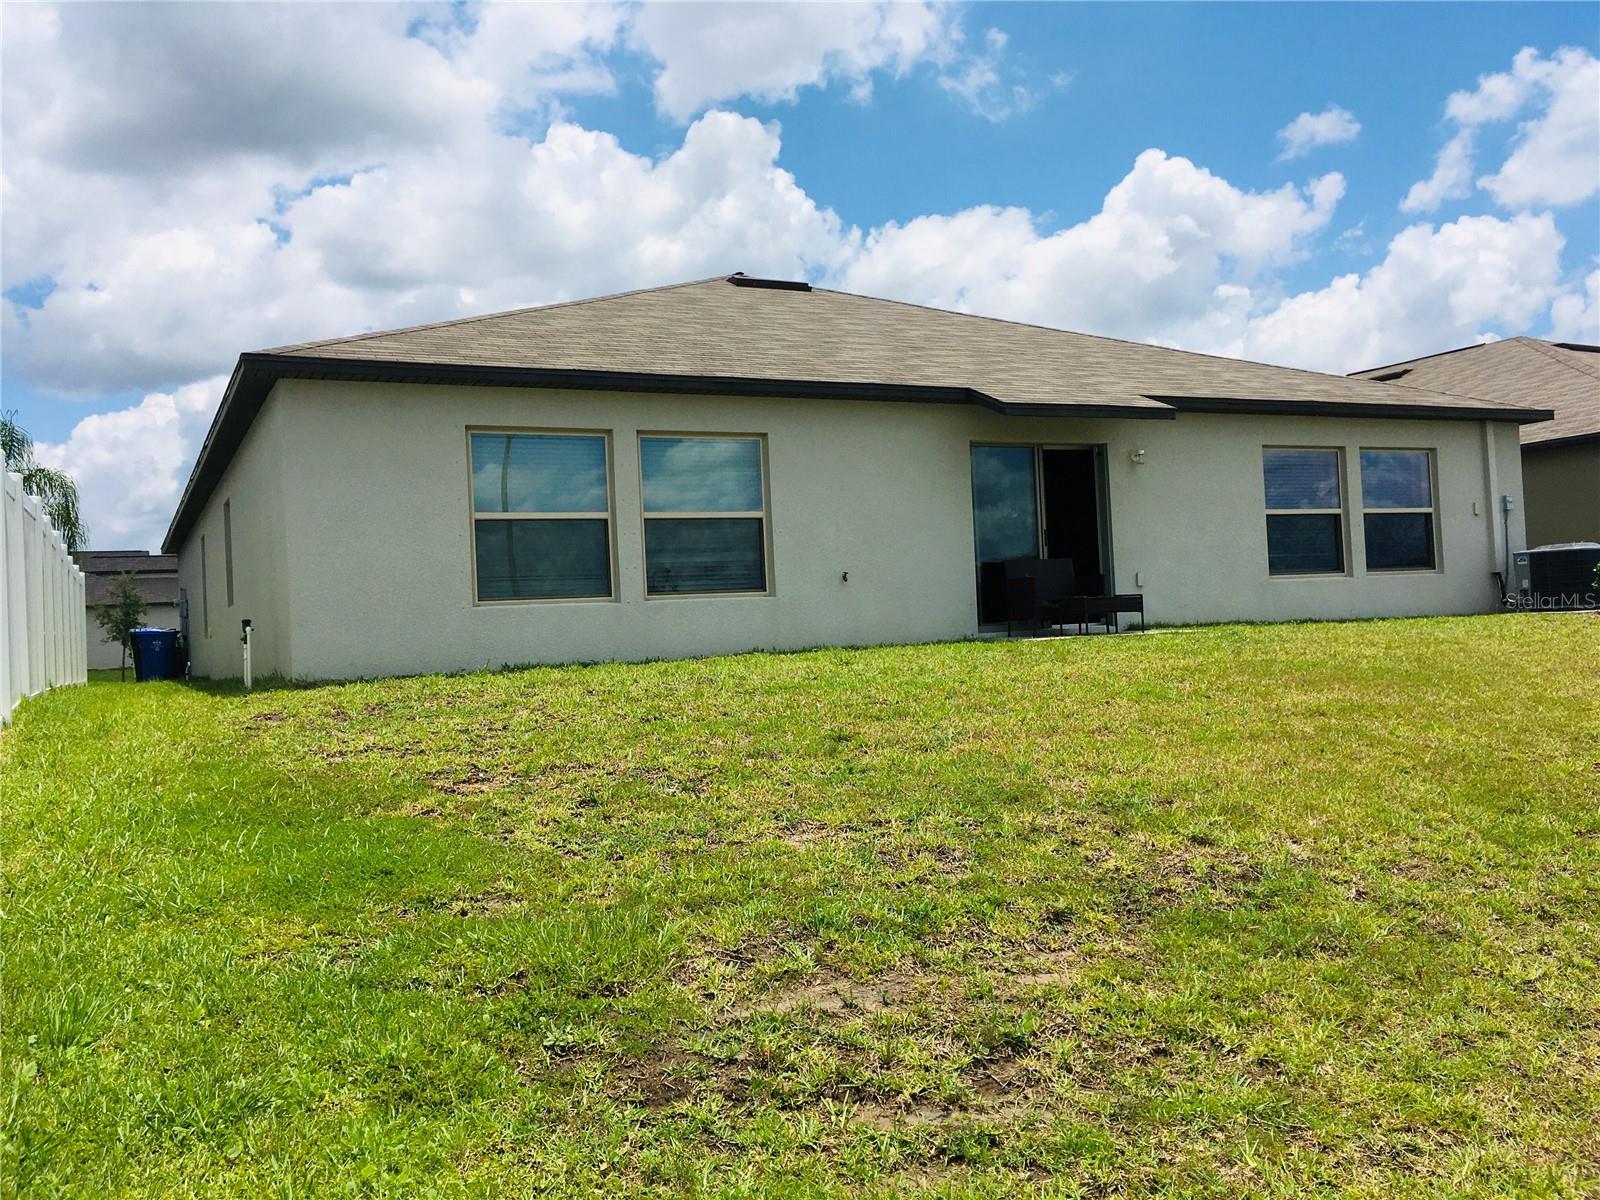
pixel 1305 511
pixel 518 560
pixel 538 473
pixel 1005 507
pixel 701 475
pixel 705 519
pixel 205 593
pixel 1398 510
pixel 541 505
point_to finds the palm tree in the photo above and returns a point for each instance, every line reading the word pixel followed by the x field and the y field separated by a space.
pixel 54 490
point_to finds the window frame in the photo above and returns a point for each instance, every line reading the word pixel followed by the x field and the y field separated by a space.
pixel 205 592
pixel 227 546
pixel 764 515
pixel 1038 490
pixel 1432 511
pixel 609 515
pixel 1342 512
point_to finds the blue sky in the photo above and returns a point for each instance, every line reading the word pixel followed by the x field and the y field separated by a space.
pixel 1213 82
pixel 186 182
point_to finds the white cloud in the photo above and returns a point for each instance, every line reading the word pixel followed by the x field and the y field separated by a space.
pixel 489 222
pixel 1306 132
pixel 141 88
pixel 713 52
pixel 1556 159
pixel 1435 289
pixel 130 465
pixel 1145 266
pixel 1180 257
pixel 1575 316
pixel 1451 178
pixel 986 86
pixel 1555 156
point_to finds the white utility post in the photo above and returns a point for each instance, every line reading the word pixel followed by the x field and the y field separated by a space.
pixel 244 638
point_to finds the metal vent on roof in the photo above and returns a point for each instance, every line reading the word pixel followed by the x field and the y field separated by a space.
pixel 740 279
pixel 1579 346
pixel 1389 376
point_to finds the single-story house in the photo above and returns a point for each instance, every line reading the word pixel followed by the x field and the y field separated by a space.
pixel 1560 457
pixel 154 575
pixel 739 463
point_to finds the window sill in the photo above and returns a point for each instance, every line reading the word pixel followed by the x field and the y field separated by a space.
pixel 709 596
pixel 531 600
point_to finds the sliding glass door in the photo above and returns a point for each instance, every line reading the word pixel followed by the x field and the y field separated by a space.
pixel 1036 502
pixel 1005 502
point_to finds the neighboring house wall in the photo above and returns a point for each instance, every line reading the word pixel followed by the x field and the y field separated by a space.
pixel 252 489
pixel 107 655
pixel 1562 485
pixel 352 528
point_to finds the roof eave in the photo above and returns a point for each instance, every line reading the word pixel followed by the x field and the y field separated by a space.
pixel 1356 408
pixel 1571 439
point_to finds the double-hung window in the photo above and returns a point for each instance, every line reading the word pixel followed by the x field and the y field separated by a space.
pixel 541 516
pixel 705 515
pixel 1305 511
pixel 1397 509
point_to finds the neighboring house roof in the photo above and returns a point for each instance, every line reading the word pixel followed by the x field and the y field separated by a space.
pixel 740 336
pixel 1561 376
pixel 155 576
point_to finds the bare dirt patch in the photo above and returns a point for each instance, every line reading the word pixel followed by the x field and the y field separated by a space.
pixel 473 781
pixel 809 833
pixel 1047 968
pixel 667 1075
pixel 834 994
pixel 898 1117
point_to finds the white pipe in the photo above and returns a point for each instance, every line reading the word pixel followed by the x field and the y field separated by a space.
pixel 246 640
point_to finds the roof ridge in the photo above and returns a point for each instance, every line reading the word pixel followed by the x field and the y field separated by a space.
pixel 1548 350
pixel 510 312
pixel 1100 337
pixel 1406 362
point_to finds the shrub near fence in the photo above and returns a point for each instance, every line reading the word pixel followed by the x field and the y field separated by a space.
pixel 42 642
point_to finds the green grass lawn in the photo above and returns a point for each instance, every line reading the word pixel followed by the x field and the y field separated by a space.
pixel 1261 911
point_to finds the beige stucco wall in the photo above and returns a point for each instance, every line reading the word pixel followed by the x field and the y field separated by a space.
pixel 1562 485
pixel 375 535
pixel 254 483
pixel 104 655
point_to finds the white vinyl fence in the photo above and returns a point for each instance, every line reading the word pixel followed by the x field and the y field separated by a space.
pixel 42 644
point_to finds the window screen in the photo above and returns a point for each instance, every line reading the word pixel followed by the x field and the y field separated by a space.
pixel 541 509
pixel 705 519
pixel 1398 510
pixel 1305 511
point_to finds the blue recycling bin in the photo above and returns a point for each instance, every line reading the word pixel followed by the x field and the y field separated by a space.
pixel 155 654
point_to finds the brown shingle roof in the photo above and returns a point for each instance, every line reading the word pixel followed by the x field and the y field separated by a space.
pixel 737 336
pixel 1561 376
pixel 155 575
pixel 709 329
